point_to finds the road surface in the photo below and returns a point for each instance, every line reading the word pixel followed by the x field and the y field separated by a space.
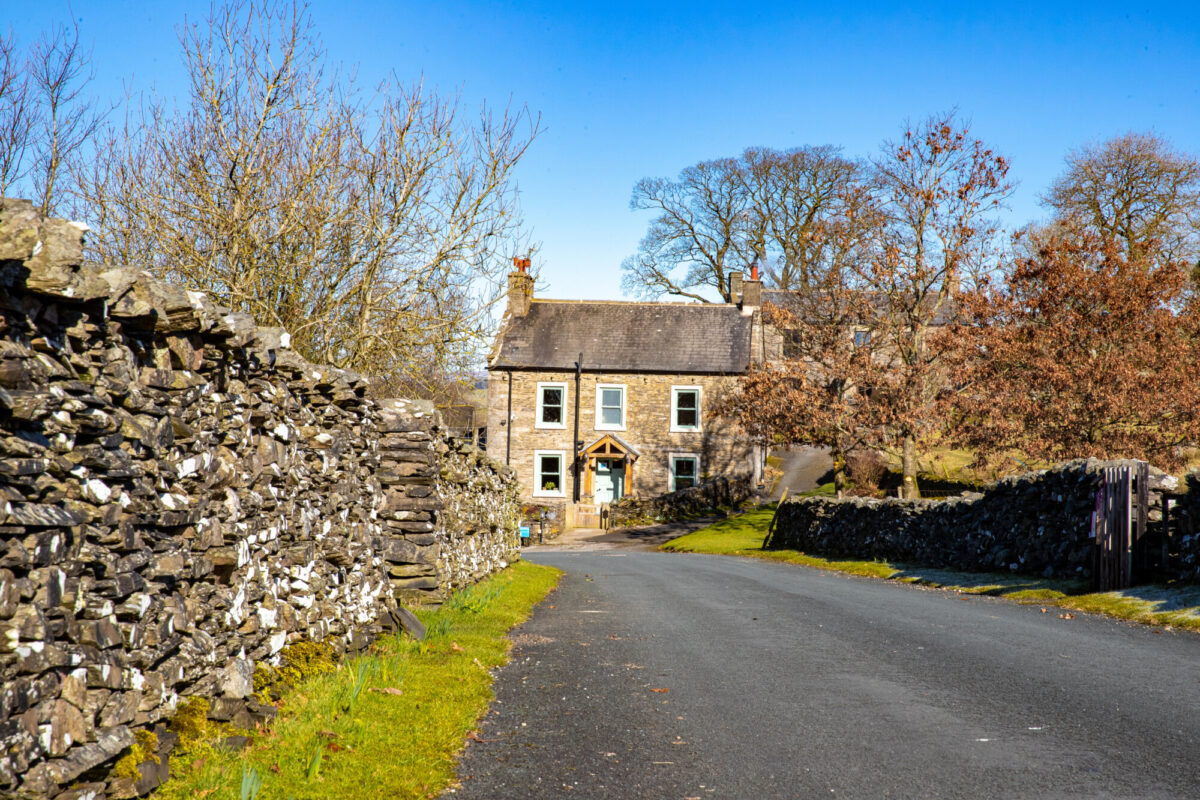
pixel 802 469
pixel 655 675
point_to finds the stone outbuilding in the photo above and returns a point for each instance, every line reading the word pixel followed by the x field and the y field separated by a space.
pixel 590 401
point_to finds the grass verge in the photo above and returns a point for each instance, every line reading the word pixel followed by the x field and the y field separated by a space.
pixel 385 724
pixel 1174 605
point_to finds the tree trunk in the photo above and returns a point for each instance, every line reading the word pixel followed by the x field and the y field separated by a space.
pixel 908 468
pixel 839 474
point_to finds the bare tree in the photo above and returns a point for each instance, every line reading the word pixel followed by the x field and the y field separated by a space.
pixel 796 195
pixel 720 216
pixel 46 116
pixel 700 231
pixel 374 227
pixel 1136 191
pixel 14 115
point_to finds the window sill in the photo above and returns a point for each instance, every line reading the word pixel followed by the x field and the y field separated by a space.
pixel 547 426
pixel 559 495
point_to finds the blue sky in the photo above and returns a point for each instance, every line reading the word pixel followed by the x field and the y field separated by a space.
pixel 628 90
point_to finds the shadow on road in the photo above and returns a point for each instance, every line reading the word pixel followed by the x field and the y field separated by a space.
pixel 644 537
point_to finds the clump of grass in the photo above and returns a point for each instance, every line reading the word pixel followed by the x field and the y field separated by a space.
pixel 251 783
pixel 387 723
pixel 143 749
pixel 298 662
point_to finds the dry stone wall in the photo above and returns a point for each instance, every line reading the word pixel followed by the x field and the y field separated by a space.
pixel 1038 523
pixel 182 497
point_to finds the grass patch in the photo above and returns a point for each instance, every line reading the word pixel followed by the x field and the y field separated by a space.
pixel 1175 605
pixel 385 724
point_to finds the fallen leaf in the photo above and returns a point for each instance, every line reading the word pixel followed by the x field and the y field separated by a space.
pixel 1067 615
pixel 386 690
pixel 660 691
pixel 1044 611
pixel 334 747
pixel 328 734
pixel 456 647
pixel 475 737
pixel 275 768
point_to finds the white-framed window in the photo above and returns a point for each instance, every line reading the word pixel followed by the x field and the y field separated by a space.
pixel 685 470
pixel 610 407
pixel 862 338
pixel 549 473
pixel 551 405
pixel 685 409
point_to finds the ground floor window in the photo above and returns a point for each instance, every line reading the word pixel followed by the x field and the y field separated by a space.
pixel 549 473
pixel 685 471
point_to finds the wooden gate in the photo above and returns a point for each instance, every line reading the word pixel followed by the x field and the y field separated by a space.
pixel 1118 522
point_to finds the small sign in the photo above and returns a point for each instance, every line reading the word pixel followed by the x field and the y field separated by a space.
pixel 524 531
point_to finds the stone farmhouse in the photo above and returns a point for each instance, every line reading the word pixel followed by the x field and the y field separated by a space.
pixel 590 401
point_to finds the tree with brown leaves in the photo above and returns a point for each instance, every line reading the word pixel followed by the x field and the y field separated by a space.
pixel 822 394
pixel 1078 352
pixel 864 369
pixel 935 188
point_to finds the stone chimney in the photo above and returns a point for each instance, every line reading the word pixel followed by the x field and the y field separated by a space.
pixel 752 290
pixel 520 288
pixel 735 287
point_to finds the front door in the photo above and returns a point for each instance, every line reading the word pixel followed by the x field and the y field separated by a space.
pixel 608 483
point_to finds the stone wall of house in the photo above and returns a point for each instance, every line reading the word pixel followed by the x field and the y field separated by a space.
pixel 182 497
pixel 1038 523
pixel 721 448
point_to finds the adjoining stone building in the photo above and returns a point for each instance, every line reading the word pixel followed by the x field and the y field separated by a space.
pixel 590 401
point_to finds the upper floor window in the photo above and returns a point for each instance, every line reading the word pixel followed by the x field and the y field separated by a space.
pixel 551 405
pixel 685 408
pixel 862 338
pixel 610 407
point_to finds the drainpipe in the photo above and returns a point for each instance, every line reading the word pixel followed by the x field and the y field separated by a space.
pixel 508 425
pixel 575 443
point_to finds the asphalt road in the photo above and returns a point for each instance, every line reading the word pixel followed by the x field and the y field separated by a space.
pixel 654 675
pixel 802 469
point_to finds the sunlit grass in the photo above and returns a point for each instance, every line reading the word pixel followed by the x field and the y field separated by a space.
pixel 387 724
pixel 1174 605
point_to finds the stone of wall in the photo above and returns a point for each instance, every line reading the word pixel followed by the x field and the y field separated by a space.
pixel 723 450
pixel 480 515
pixel 704 498
pixel 1185 518
pixel 1038 523
pixel 181 497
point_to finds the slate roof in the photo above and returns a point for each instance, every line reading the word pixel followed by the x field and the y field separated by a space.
pixel 626 337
